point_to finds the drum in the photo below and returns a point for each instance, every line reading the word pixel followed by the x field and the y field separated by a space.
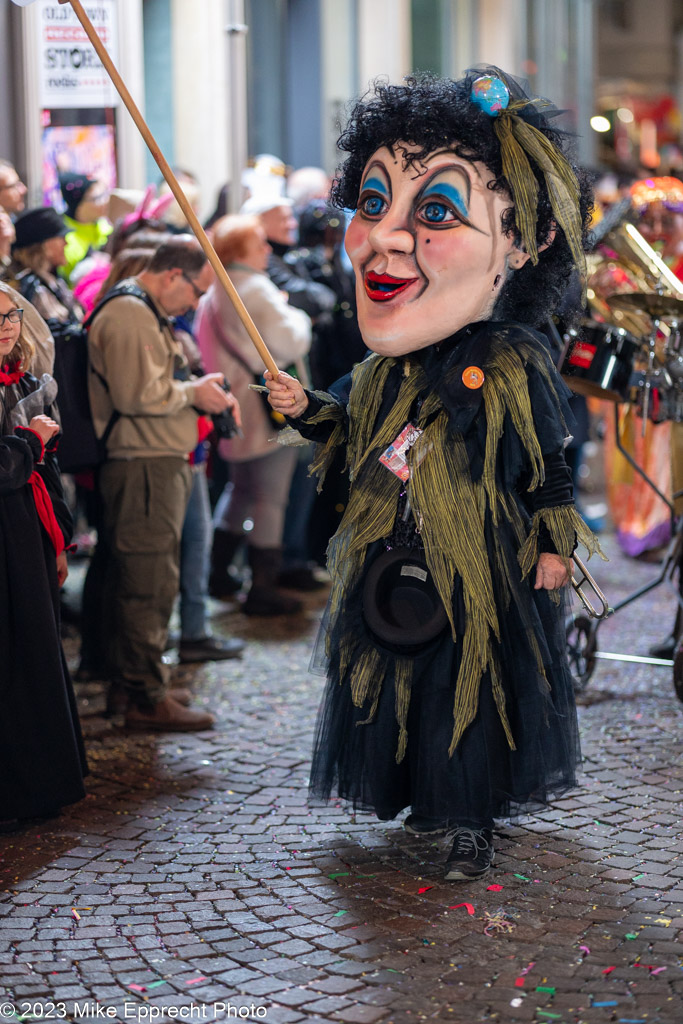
pixel 666 397
pixel 673 352
pixel 598 359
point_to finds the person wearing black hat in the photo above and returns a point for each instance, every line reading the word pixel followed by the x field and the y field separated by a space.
pixel 38 251
pixel 87 202
pixel 449 690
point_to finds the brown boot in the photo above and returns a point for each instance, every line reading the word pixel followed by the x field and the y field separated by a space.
pixel 224 581
pixel 168 716
pixel 264 597
pixel 118 700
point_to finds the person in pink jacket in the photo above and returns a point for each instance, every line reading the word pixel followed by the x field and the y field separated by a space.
pixel 260 469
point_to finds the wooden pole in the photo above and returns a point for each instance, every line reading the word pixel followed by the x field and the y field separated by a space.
pixel 175 188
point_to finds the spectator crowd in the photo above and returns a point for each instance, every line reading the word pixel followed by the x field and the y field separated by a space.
pixel 172 483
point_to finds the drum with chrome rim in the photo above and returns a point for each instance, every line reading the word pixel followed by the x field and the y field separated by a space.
pixel 598 360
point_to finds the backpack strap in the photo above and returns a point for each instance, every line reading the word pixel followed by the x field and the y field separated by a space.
pixel 127 288
pixel 122 288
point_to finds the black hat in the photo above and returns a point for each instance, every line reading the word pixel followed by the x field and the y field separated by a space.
pixel 37 225
pixel 74 187
pixel 401 604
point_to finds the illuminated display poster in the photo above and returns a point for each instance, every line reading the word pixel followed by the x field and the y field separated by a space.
pixel 71 74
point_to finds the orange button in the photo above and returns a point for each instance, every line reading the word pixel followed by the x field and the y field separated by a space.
pixel 473 377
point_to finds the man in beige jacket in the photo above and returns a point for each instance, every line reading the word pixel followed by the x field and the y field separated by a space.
pixel 145 481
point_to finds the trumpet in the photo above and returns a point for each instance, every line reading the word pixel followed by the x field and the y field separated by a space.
pixel 583 580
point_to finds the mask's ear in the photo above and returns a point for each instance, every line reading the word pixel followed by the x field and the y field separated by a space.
pixel 518 257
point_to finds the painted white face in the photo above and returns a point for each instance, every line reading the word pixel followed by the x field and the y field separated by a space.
pixel 428 248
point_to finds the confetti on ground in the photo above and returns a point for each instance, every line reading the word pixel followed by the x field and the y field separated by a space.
pixel 340 912
pixel 585 950
pixel 155 984
pixel 468 906
pixel 636 877
pixel 630 935
pixel 339 874
pixel 138 988
pixel 523 877
pixel 497 922
pixel 552 1016
pixel 494 888
pixel 608 970
pixel 425 888
pixel 606 1002
pixel 517 1001
pixel 525 970
pixel 74 913
pixel 657 970
pixel 545 988
pixel 195 981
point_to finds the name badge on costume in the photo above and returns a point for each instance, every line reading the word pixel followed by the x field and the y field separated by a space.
pixel 395 457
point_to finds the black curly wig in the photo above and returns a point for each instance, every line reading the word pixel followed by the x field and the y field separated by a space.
pixel 431 113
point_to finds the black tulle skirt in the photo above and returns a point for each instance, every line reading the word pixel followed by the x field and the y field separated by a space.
pixel 484 779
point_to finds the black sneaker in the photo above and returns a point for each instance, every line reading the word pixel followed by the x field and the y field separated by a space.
pixel 472 853
pixel 419 826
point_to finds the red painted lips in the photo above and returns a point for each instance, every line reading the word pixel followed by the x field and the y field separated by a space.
pixel 381 287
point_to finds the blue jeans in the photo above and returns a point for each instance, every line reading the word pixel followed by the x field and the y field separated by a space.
pixel 195 549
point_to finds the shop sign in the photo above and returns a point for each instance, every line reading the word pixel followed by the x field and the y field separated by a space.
pixel 70 72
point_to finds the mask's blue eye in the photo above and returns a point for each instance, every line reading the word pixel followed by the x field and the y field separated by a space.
pixel 372 206
pixel 436 213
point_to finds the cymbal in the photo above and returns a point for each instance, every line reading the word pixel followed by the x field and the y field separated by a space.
pixel 659 307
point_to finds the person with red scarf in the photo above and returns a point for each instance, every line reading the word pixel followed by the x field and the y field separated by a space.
pixel 42 758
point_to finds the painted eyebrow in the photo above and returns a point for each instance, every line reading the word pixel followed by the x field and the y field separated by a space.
pixel 455 166
pixel 375 183
pixel 450 192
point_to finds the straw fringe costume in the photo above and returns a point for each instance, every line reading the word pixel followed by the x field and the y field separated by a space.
pixel 481 721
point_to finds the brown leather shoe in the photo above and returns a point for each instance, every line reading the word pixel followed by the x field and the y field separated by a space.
pixel 118 701
pixel 168 716
pixel 181 695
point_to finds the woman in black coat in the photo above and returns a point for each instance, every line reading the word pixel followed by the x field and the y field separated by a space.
pixel 42 759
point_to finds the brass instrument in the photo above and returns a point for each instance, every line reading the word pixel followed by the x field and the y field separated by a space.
pixel 586 580
pixel 625 262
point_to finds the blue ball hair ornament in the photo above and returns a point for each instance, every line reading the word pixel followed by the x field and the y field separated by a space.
pixel 490 94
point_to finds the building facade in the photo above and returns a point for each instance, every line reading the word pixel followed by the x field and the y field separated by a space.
pixel 219 80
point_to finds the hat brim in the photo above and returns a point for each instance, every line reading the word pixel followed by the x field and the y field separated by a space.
pixel 401 605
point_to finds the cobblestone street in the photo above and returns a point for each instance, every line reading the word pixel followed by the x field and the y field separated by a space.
pixel 195 881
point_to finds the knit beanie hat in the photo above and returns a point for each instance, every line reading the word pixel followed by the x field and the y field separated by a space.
pixel 74 187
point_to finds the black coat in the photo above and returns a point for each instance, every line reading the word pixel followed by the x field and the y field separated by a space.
pixel 42 759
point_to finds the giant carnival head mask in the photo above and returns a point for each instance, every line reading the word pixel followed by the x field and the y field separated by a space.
pixel 456 195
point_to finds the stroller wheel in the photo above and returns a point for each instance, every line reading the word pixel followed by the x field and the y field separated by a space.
pixel 581 648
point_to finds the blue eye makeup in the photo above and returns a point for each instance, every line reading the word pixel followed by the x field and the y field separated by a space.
pixel 374 196
pixel 444 190
pixel 375 183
